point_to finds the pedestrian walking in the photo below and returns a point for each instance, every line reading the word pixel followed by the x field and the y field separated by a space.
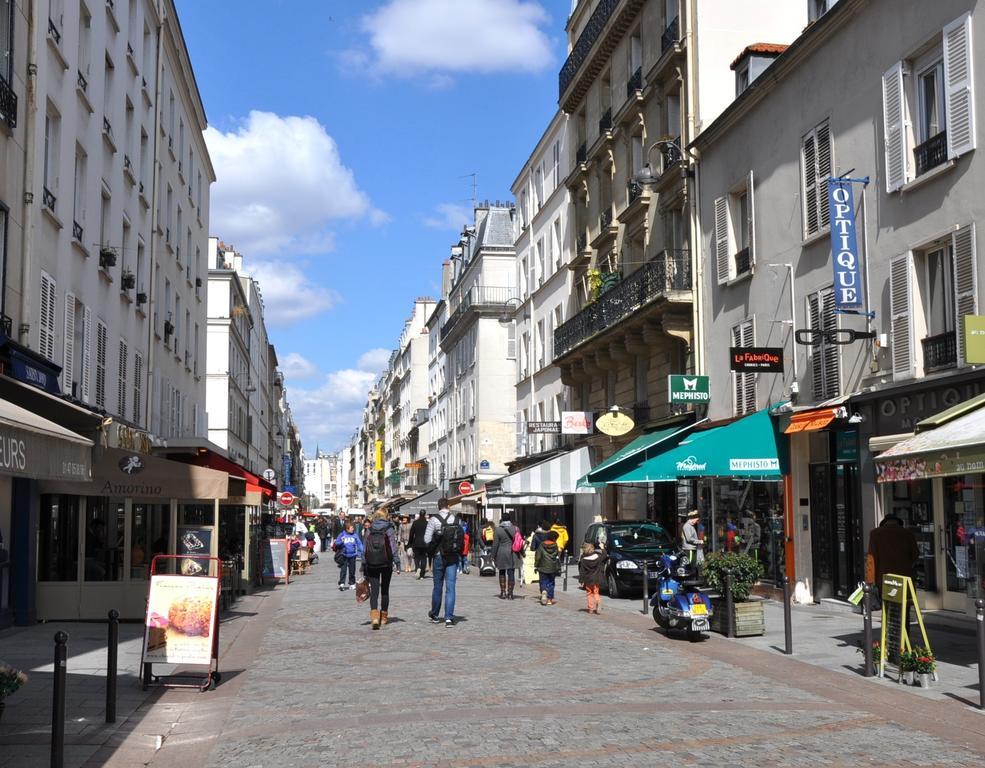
pixel 379 561
pixel 419 545
pixel 547 561
pixel 591 573
pixel 691 542
pixel 507 555
pixel 403 543
pixel 562 533
pixel 463 561
pixel 351 547
pixel 445 539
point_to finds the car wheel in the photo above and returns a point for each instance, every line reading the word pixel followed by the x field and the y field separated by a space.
pixel 614 592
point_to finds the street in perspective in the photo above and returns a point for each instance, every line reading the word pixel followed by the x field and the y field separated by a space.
pixel 491 383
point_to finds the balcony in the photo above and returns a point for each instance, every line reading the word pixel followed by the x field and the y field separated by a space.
pixel 478 299
pixel 633 190
pixel 605 122
pixel 581 243
pixel 635 83
pixel 670 37
pixel 581 154
pixel 940 351
pixel 931 153
pixel 77 231
pixel 608 229
pixel 6 326
pixel 48 199
pixel 641 412
pixel 8 104
pixel 667 273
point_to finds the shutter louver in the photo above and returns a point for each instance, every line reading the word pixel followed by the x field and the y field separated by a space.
pixel 900 270
pixel 810 185
pixel 122 385
pixel 751 222
pixel 814 323
pixel 46 325
pixel 749 379
pixel 894 127
pixel 823 139
pixel 959 94
pixel 825 360
pixel 86 354
pixel 100 365
pixel 965 282
pixel 138 385
pixel 68 359
pixel 721 240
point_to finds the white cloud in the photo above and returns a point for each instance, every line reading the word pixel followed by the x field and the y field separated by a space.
pixel 452 36
pixel 329 413
pixel 280 184
pixel 288 294
pixel 374 361
pixel 297 366
pixel 450 216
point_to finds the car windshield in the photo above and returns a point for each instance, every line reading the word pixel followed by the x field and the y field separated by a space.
pixel 646 535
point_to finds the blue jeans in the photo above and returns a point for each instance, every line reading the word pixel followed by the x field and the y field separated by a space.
pixel 547 584
pixel 443 574
pixel 349 566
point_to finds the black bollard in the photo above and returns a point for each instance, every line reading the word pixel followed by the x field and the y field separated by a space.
pixel 646 588
pixel 729 606
pixel 980 616
pixel 564 583
pixel 112 652
pixel 787 618
pixel 867 628
pixel 58 702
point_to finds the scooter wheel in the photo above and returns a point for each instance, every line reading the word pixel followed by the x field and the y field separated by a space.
pixel 660 618
pixel 693 635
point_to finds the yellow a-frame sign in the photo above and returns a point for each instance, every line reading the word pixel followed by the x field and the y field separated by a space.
pixel 897 594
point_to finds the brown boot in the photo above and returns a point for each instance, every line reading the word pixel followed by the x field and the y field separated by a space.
pixel 374 617
pixel 384 619
pixel 502 587
pixel 509 593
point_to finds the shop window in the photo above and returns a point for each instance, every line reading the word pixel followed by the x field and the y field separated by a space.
pixel 105 521
pixel 963 510
pixel 150 534
pixel 58 538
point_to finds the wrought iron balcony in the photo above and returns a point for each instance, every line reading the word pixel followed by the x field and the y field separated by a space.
pixel 635 83
pixel 8 103
pixel 641 412
pixel 633 190
pixel 478 297
pixel 670 37
pixel 931 153
pixel 53 32
pixel 583 46
pixel 605 122
pixel 581 243
pixel 77 231
pixel 48 199
pixel 940 351
pixel 581 154
pixel 605 220
pixel 81 83
pixel 669 271
pixel 6 325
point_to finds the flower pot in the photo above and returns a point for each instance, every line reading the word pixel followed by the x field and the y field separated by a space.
pixel 908 675
pixel 925 679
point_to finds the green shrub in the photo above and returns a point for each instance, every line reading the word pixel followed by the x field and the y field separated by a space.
pixel 743 569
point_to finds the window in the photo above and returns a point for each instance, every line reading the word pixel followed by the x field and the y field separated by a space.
pixel 825 357
pixel 541 267
pixel 742 77
pixel 122 385
pixel 105 525
pixel 46 324
pixel 557 164
pixel 511 341
pixel 556 245
pixel 744 384
pixel 817 8
pixel 85 45
pixel 139 269
pixel 58 538
pixel 6 40
pixel 52 126
pixel 86 356
pixel 100 364
pixel 104 210
pixel 816 165
pixel 138 388
pixel 930 101
pixel 78 203
pixel 734 233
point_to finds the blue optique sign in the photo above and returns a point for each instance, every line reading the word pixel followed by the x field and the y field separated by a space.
pixel 844 246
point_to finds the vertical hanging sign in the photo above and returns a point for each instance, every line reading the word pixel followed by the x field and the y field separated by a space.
pixel 844 245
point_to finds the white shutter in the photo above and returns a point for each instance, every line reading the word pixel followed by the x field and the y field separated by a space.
pixel 965 281
pixel 810 184
pixel 822 138
pixel 100 364
pixel 749 379
pixel 86 353
pixel 721 240
pixel 138 388
pixel 900 302
pixel 68 360
pixel 894 127
pixel 122 385
pixel 511 341
pixel 959 92
pixel 825 357
pixel 46 324
pixel 751 222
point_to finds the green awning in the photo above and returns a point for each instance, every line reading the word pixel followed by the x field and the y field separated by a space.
pixel 633 454
pixel 749 448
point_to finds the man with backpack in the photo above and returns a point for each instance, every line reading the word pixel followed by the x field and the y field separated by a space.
pixel 446 540
pixel 508 546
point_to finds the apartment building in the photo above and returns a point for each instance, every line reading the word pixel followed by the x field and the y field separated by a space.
pixel 321 478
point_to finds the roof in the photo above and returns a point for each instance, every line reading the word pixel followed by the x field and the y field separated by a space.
pixel 496 230
pixel 760 49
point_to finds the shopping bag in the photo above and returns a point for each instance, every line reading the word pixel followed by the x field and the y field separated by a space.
pixel 362 591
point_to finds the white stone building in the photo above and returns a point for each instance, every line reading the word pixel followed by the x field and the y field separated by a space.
pixel 321 478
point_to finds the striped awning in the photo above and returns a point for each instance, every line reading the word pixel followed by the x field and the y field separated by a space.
pixel 547 482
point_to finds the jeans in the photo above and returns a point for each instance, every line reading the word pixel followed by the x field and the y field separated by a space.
pixel 350 566
pixel 420 561
pixel 463 564
pixel 443 574
pixel 379 588
pixel 547 584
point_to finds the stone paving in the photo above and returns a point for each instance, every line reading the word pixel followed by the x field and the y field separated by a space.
pixel 307 683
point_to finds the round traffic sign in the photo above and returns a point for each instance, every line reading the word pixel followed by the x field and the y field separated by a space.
pixel 286 498
pixel 465 488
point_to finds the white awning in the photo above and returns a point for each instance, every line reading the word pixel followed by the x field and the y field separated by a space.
pixel 548 482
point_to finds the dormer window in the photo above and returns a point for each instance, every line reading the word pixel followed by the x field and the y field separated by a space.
pixel 817 8
pixel 752 62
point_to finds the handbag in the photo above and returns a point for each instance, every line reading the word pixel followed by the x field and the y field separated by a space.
pixel 362 591
pixel 340 558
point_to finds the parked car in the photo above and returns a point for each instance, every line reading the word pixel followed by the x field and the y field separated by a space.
pixel 630 543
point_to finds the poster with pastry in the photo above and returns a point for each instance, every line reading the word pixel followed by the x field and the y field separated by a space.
pixel 181 615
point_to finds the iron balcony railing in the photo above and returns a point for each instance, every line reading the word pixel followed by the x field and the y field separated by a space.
pixel 81 83
pixel 6 326
pixel 48 199
pixel 478 296
pixel 8 103
pixel 581 154
pixel 605 122
pixel 940 351
pixel 641 412
pixel 931 153
pixel 669 271
pixel 581 243
pixel 77 231
pixel 670 37
pixel 583 46
pixel 605 220
pixel 633 190
pixel 635 82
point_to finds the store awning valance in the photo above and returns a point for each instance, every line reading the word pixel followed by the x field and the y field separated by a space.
pixel 632 455
pixel 748 448
pixel 811 421
pixel 213 460
pixel 426 503
pixel 34 447
pixel 955 448
pixel 546 482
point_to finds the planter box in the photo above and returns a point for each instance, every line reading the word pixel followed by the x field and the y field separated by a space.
pixel 748 619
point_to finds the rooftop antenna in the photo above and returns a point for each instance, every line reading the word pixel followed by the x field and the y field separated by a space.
pixel 474 176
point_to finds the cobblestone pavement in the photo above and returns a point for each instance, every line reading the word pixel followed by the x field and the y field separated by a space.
pixel 518 684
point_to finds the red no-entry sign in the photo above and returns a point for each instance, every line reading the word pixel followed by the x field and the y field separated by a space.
pixel 465 488
pixel 286 498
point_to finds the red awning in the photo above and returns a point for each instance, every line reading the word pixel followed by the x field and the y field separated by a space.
pixel 212 460
pixel 811 421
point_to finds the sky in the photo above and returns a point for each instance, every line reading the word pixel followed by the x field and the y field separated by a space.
pixel 343 134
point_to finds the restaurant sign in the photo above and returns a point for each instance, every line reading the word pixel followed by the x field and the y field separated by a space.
pixel 756 359
pixel 688 389
pixel 577 422
pixel 543 427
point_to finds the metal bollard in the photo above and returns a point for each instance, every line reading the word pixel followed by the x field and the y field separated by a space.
pixel 787 618
pixel 564 583
pixel 867 628
pixel 980 616
pixel 729 605
pixel 646 588
pixel 112 652
pixel 58 702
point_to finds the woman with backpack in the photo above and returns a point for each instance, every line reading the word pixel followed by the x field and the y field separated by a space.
pixel 507 550
pixel 380 557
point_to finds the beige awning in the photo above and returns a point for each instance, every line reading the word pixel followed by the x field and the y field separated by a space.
pixel 34 447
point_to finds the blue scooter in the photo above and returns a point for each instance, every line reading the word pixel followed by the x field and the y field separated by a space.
pixel 677 603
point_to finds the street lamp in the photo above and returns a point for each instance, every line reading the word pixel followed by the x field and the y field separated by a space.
pixel 672 153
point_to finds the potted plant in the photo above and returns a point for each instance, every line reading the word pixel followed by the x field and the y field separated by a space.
pixel 907 666
pixel 924 665
pixel 876 654
pixel 10 680
pixel 741 571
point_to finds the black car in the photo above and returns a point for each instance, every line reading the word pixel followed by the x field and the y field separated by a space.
pixel 629 544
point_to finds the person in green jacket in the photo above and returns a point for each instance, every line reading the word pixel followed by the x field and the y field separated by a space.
pixel 547 561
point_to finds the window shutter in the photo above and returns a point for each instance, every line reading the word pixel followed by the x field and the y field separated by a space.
pixel 138 386
pixel 810 184
pixel 900 301
pixel 122 385
pixel 959 94
pixel 749 379
pixel 822 137
pixel 814 323
pixel 825 359
pixel 965 282
pixel 894 126
pixel 86 353
pixel 751 221
pixel 100 364
pixel 46 326
pixel 68 360
pixel 511 341
pixel 721 240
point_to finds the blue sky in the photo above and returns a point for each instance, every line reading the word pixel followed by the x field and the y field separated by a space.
pixel 343 132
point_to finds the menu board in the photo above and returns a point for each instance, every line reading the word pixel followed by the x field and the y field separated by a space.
pixel 194 546
pixel 275 553
pixel 180 624
pixel 893 617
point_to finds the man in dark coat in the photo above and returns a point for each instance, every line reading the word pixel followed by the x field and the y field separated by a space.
pixel 893 549
pixel 418 545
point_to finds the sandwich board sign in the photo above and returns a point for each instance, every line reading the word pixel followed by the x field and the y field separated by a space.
pixel 898 593
pixel 688 389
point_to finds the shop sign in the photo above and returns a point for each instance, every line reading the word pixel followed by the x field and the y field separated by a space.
pixel 753 465
pixel 26 454
pixel 35 372
pixel 691 464
pixel 923 467
pixel 614 423
pixel 269 475
pixel 974 338
pixel 689 389
pixel 577 422
pixel 194 546
pixel 414 465
pixel 846 445
pixel 756 359
pixel 181 619
pixel 900 413
pixel 543 427
pixel 379 455
pixel 844 245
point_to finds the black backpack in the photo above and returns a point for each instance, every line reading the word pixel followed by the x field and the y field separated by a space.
pixel 378 552
pixel 452 539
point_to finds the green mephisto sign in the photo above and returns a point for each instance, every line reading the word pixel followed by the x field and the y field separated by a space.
pixel 688 389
